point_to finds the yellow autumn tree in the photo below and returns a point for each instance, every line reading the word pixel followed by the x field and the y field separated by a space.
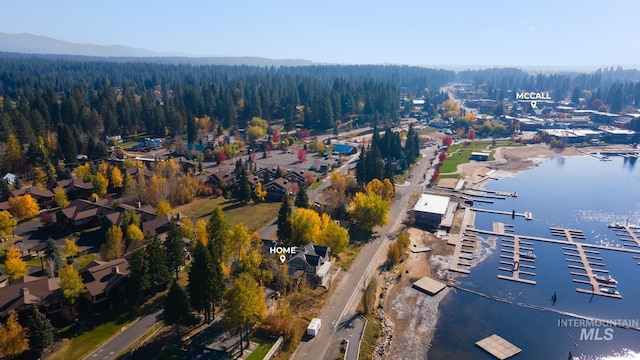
pixel 24 207
pixel 163 208
pixel 305 226
pixel 71 284
pixel 39 177
pixel 70 248
pixel 83 171
pixel 115 178
pixel 13 337
pixel 133 233
pixel 60 197
pixel 260 193
pixel 332 234
pixel 450 108
pixel 100 184
pixel 14 266
pixel 8 223
pixel 369 210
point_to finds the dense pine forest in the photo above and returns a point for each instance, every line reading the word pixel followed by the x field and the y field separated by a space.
pixel 82 99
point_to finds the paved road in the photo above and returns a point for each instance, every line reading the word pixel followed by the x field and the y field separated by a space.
pixel 127 336
pixel 346 296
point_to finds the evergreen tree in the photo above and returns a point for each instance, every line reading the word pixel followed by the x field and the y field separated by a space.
pixel 302 199
pixel 243 193
pixel 40 331
pixel 217 279
pixel 176 307
pixel 175 249
pixel 159 274
pixel 388 170
pixel 139 272
pixel 284 224
pixel 200 281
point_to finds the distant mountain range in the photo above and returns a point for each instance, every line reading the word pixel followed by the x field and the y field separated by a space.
pixel 35 44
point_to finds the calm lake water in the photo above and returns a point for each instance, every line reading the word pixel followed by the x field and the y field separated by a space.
pixel 578 193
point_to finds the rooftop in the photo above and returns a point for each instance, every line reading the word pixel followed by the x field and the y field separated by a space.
pixel 432 204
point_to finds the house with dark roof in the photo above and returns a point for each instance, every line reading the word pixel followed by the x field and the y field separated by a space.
pixel 44 197
pixel 104 280
pixel 158 226
pixel 188 166
pixel 76 188
pixel 28 291
pixel 221 180
pixel 312 260
pixel 297 176
pixel 84 214
pixel 279 188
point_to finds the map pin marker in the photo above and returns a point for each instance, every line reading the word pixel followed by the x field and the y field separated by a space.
pixel 283 258
pixel 534 104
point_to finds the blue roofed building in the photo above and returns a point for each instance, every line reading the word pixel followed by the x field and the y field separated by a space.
pixel 344 149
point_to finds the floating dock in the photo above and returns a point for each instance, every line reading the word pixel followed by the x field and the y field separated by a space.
pixel 516 262
pixel 629 235
pixel 429 285
pixel 587 264
pixel 498 347
pixel 527 214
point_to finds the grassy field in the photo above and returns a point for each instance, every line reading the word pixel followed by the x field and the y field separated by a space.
pixel 460 154
pixel 315 185
pixel 254 216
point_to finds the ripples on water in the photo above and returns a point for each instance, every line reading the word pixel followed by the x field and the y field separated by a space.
pixel 625 354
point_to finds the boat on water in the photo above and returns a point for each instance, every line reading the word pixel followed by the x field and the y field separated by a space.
pixel 615 225
pixel 605 279
pixel 527 254
pixel 608 290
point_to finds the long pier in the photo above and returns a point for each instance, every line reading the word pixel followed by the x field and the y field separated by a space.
pixel 527 214
pixel 462 240
pixel 555 241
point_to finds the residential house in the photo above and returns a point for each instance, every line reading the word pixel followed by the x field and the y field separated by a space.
pixel 104 281
pixel 44 197
pixel 312 260
pixel 76 188
pixel 188 166
pixel 279 188
pixel 157 227
pixel 215 342
pixel 221 180
pixel 29 291
pixel 297 176
pixel 85 214
pixel 9 178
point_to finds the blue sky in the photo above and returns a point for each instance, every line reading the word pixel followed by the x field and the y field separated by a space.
pixel 483 33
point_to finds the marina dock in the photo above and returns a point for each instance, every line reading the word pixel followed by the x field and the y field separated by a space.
pixel 518 262
pixel 587 265
pixel 629 235
pixel 527 214
pixel 464 245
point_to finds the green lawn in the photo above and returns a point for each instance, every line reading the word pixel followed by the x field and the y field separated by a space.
pixel 460 154
pixel 456 158
pixel 315 185
pixel 254 216
pixel 264 345
pixel 79 346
